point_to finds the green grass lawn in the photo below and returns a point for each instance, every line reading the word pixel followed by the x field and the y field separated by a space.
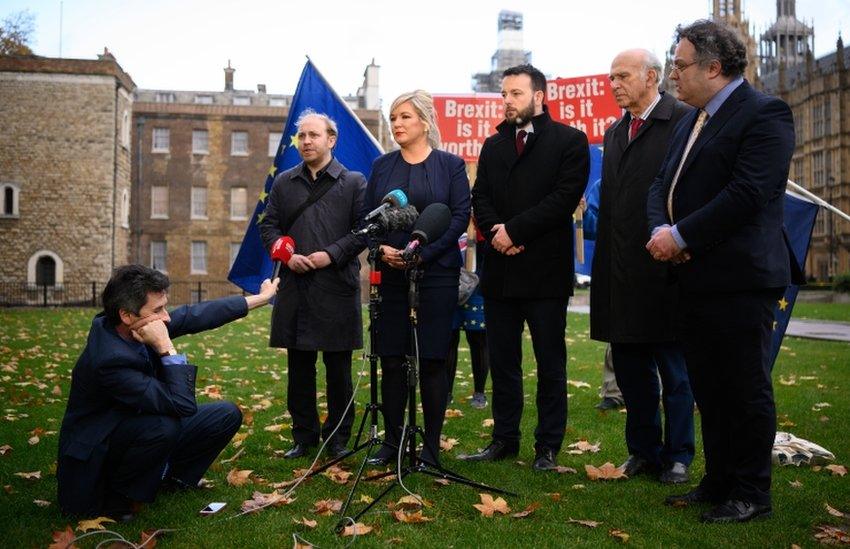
pixel 822 311
pixel 38 349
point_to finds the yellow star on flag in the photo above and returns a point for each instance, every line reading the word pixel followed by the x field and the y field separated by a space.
pixel 294 140
pixel 263 195
pixel 261 217
pixel 774 325
pixel 783 304
pixel 272 170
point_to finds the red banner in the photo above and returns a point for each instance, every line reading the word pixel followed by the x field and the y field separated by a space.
pixel 584 102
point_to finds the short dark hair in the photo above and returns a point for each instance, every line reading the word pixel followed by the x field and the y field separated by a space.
pixel 128 289
pixel 713 40
pixel 538 80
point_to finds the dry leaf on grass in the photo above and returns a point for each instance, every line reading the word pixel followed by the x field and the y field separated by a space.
pixel 583 522
pixel 527 511
pixel 33 440
pixel 562 469
pixel 833 511
pixel 606 471
pixel 836 469
pixel 619 534
pixel 358 529
pixel 442 481
pixel 578 384
pixel 5 449
pixel 32 475
pixel 41 502
pixel 63 539
pixel 149 538
pixel 488 505
pixel 365 498
pixel 583 446
pixel 489 422
pixel 299 545
pixel 93 524
pixel 829 534
pixel 337 474
pixel 795 483
pixel 260 500
pixel 238 478
pixel 453 413
pixel 554 496
pixel 306 522
pixel 412 502
pixel 411 518
pixel 327 507
pixel 275 428
pixel 446 444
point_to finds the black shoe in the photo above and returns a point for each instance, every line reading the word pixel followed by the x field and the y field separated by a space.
pixel 697 495
pixel 118 507
pixel 383 458
pixel 734 510
pixel 636 465
pixel 675 474
pixel 297 451
pixel 609 403
pixel 544 459
pixel 336 450
pixel 497 450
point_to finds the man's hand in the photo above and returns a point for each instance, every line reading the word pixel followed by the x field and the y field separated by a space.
pixel 502 241
pixel 300 264
pixel 268 289
pixel 153 333
pixel 392 257
pixel 662 246
pixel 320 260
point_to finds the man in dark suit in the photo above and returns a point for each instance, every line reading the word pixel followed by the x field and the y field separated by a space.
pixel 531 176
pixel 132 421
pixel 631 302
pixel 715 209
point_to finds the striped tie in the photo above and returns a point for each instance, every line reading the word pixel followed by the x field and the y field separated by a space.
pixel 703 116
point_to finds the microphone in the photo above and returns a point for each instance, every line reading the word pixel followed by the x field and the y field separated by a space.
pixel 281 253
pixel 393 199
pixel 431 225
pixel 391 220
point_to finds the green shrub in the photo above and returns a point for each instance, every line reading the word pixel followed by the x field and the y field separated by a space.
pixel 841 283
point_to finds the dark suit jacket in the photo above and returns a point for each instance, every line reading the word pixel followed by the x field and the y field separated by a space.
pixel 534 195
pixel 632 300
pixel 728 201
pixel 113 380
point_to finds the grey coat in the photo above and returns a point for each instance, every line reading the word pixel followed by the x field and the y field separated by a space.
pixel 319 310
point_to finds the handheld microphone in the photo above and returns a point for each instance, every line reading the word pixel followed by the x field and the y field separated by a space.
pixel 433 222
pixel 281 253
pixel 393 199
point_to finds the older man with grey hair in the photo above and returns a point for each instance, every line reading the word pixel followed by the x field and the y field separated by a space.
pixel 631 303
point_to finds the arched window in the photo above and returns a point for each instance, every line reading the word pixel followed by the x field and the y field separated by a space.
pixel 9 193
pixel 45 267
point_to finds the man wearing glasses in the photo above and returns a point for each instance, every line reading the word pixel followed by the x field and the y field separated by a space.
pixel 715 211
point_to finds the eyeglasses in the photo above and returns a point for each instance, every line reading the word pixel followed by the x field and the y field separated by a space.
pixel 679 69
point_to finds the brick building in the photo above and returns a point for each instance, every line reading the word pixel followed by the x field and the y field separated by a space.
pixel 64 170
pixel 200 161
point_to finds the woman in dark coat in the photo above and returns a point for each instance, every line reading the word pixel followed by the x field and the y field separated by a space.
pixel 426 175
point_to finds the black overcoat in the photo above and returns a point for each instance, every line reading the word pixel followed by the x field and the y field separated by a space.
pixel 631 297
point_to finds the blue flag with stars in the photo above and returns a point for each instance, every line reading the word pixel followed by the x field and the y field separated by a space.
pixel 800 217
pixel 356 148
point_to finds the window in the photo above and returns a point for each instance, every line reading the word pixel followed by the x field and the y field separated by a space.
pixel 10 195
pixel 161 140
pixel 200 142
pixel 159 202
pixel 798 129
pixel 234 251
pixel 274 141
pixel 241 101
pixel 798 172
pixel 125 129
pixel 45 268
pixel 204 99
pixel 199 202
pixel 238 203
pixel 125 209
pixel 817 118
pixel 827 115
pixel 159 251
pixel 239 144
pixel 164 97
pixel 199 257
pixel 817 170
pixel 277 102
pixel 45 271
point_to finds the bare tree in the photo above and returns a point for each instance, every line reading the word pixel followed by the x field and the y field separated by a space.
pixel 15 33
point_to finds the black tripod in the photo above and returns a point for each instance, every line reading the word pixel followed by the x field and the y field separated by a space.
pixel 407 444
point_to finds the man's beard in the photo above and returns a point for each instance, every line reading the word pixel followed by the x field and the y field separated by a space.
pixel 522 117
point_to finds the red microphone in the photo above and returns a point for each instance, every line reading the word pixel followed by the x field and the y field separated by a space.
pixel 281 253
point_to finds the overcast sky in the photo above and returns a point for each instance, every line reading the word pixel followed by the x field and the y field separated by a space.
pixel 434 45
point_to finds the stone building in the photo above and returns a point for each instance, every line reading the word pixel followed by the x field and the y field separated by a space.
pixel 200 160
pixel 509 53
pixel 64 171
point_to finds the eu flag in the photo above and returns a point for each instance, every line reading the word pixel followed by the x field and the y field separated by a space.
pixel 800 217
pixel 356 148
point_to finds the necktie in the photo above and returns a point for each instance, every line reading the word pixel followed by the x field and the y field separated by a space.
pixel 634 126
pixel 703 116
pixel 520 141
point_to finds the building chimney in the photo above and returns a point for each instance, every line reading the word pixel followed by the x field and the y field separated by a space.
pixel 261 88
pixel 228 77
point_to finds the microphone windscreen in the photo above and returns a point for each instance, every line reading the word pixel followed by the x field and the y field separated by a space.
pixel 282 249
pixel 433 222
pixel 401 219
pixel 396 198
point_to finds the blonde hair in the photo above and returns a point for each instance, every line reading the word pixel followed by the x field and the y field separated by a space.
pixel 423 104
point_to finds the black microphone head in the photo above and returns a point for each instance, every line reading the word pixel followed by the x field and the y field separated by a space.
pixel 400 219
pixel 432 223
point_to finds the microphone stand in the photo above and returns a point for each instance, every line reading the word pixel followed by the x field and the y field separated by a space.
pixel 415 463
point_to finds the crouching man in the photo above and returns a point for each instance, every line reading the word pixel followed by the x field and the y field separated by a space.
pixel 132 423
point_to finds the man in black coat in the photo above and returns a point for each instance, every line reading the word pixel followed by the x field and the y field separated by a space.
pixel 531 176
pixel 716 208
pixel 132 421
pixel 631 302
pixel 318 304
